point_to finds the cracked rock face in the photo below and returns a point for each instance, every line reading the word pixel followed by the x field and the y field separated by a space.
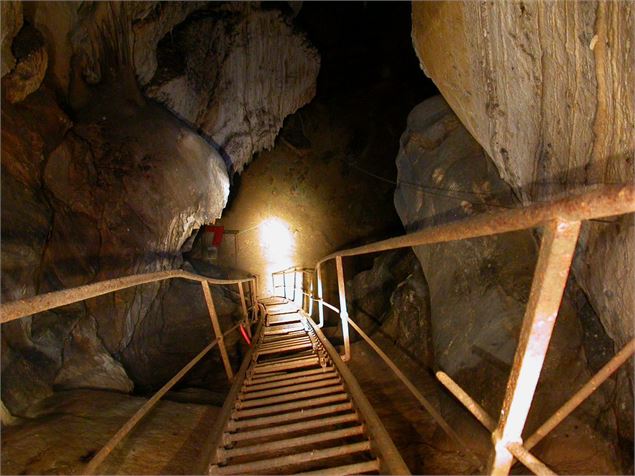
pixel 546 90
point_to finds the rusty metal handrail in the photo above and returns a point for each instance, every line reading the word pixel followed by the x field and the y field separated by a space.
pixel 561 220
pixel 132 422
pixel 390 458
pixel 605 202
pixel 43 302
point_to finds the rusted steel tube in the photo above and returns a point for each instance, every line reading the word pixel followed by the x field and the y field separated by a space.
pixel 25 307
pixel 489 423
pixel 550 277
pixel 416 393
pixel 208 453
pixel 341 286
pixel 565 410
pixel 391 459
pixel 209 301
pixel 99 458
pixel 319 299
pixel 529 460
pixel 605 202
pixel 475 409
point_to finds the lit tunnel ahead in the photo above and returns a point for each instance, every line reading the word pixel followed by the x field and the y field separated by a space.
pixel 278 247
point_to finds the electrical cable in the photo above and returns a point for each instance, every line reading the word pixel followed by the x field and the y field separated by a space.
pixel 445 193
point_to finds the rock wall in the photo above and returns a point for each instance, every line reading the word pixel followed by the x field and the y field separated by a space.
pixel 222 82
pixel 546 88
pixel 478 289
pixel 392 298
pixel 98 181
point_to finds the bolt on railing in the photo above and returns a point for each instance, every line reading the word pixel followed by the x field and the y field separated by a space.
pixel 28 306
pixel 561 221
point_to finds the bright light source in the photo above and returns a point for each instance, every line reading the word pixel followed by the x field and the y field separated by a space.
pixel 277 245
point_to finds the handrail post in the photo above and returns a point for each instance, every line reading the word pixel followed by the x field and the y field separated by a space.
pixel 243 304
pixel 284 283
pixel 311 297
pixel 550 277
pixel 295 283
pixel 219 335
pixel 320 303
pixel 343 312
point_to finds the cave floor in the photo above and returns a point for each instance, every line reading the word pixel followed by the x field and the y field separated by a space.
pixel 64 431
pixel 573 447
pixel 61 433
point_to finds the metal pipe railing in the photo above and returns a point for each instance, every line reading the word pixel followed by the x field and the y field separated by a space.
pixel 44 302
pixel 390 458
pixel 132 422
pixel 562 220
pixel 605 202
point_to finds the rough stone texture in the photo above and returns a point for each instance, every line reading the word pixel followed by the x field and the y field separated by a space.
pixel 87 363
pixel 32 60
pixel 223 81
pixel 119 190
pixel 546 88
pixel 237 86
pixel 11 18
pixel 63 432
pixel 479 288
pixel 81 205
pixel 392 298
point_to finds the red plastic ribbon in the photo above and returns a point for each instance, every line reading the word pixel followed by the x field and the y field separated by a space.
pixel 245 336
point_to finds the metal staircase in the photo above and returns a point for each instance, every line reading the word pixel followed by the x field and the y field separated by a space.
pixel 295 408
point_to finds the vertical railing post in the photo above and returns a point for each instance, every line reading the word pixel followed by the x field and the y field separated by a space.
pixel 219 335
pixel 550 278
pixel 311 296
pixel 302 296
pixel 284 283
pixel 320 302
pixel 341 286
pixel 243 304
pixel 295 280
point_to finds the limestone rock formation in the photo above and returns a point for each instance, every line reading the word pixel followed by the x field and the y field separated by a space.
pixel 546 88
pixel 225 79
pixel 479 288
pixel 392 298
pixel 11 18
pixel 29 71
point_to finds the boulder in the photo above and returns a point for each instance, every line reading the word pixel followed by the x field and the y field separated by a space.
pixel 478 288
pixel 546 89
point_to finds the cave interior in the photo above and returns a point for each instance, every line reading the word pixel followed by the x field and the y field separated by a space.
pixel 235 140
